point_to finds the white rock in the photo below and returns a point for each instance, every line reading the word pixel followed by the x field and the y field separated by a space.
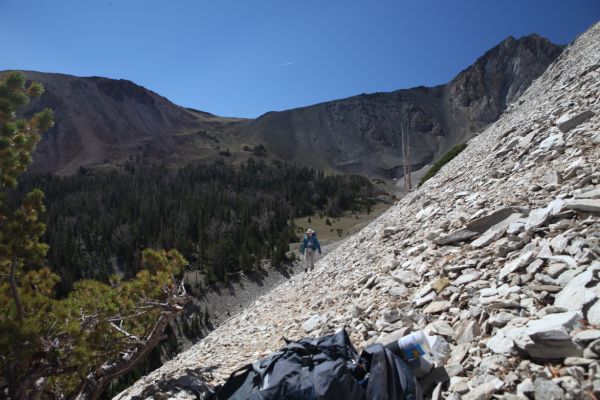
pixel 481 392
pixel 398 291
pixel 552 142
pixel 587 205
pixel 436 307
pixel 500 343
pixel 514 265
pixel 575 295
pixel 593 314
pixel 525 388
pixel 390 230
pixel 548 338
pixel 440 328
pixel 402 276
pixel 589 335
pixel 466 278
pixel 421 301
pixel 312 323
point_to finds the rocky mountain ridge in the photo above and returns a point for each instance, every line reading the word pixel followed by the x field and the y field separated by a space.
pixel 497 257
pixel 362 134
pixel 105 122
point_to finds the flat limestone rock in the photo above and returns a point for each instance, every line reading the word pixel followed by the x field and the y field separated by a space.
pixel 440 328
pixel 436 307
pixel 461 280
pixel 516 264
pixel 482 224
pixel 589 335
pixel 568 122
pixel 458 353
pixel 457 236
pixel 587 205
pixel 540 216
pixel 548 338
pixel 575 295
pixel 589 194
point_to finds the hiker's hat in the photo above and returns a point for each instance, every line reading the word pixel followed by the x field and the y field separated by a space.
pixel 309 231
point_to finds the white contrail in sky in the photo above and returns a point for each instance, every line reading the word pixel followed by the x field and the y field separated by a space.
pixel 283 65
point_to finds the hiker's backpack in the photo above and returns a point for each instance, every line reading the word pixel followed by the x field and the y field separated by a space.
pixel 326 368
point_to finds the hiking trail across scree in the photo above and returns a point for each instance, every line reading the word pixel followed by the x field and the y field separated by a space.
pixel 497 255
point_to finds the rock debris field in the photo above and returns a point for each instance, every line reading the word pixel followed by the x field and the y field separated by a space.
pixel 497 257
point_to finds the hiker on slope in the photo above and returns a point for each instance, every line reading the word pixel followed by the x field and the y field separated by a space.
pixel 310 243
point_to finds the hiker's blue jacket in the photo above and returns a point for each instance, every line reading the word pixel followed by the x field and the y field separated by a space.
pixel 315 244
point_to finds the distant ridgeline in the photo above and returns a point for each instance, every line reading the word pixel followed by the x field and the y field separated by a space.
pixel 221 218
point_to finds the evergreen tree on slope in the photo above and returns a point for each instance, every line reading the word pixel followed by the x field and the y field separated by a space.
pixel 75 346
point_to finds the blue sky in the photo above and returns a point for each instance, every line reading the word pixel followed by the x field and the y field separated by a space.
pixel 244 58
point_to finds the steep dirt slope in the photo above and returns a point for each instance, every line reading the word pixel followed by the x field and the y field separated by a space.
pixel 497 257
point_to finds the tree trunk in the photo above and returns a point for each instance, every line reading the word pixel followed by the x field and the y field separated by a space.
pixel 15 385
pixel 95 383
pixel 15 290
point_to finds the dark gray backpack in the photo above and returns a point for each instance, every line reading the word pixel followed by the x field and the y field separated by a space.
pixel 324 368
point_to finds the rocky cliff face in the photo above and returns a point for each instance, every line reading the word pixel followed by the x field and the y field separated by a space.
pixel 497 257
pixel 102 121
pixel 363 133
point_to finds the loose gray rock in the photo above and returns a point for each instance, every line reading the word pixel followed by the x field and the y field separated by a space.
pixel 587 336
pixel 552 142
pixel 575 295
pixel 398 291
pixel 548 338
pixel 568 122
pixel 312 323
pixel 525 388
pixel 544 389
pixel 481 392
pixel 593 314
pixel 587 205
pixel 436 307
